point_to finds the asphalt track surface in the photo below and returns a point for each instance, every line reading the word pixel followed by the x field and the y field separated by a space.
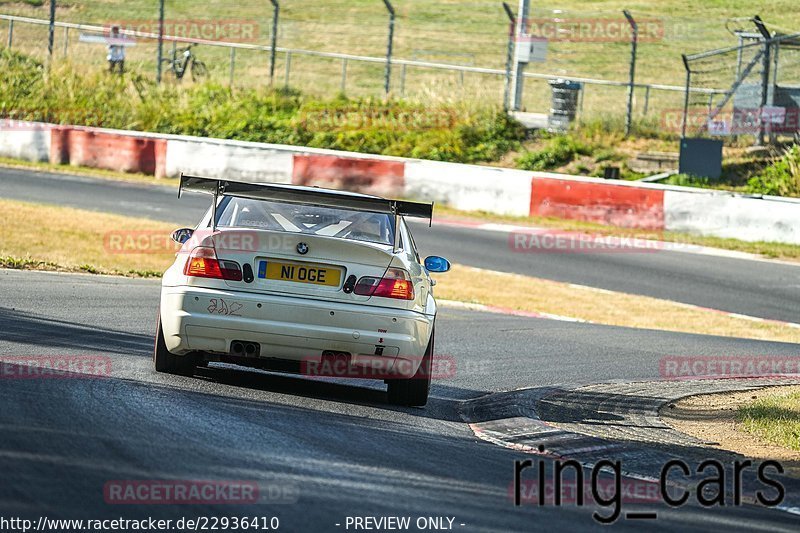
pixel 334 448
pixel 757 288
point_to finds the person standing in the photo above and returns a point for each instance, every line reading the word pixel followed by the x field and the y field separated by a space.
pixel 116 51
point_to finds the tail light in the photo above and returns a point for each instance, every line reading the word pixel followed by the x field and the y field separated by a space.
pixel 395 283
pixel 203 263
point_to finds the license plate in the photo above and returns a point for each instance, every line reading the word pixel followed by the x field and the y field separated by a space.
pixel 300 273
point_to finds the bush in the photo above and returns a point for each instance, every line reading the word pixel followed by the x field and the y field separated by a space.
pixel 559 152
pixel 395 127
pixel 781 178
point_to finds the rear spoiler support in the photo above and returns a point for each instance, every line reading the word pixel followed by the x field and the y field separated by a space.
pixel 290 194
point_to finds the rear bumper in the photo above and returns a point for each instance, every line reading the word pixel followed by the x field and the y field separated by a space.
pixel 294 329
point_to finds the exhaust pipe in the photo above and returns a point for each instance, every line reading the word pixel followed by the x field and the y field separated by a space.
pixel 250 349
pixel 237 348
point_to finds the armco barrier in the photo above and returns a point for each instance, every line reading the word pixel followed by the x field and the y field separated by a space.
pixel 29 144
pixel 612 204
pixel 470 187
pixel 733 216
pixel 373 176
pixel 467 187
pixel 243 161
pixel 88 147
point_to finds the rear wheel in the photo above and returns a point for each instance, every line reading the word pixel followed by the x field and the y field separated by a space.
pixel 199 70
pixel 414 392
pixel 169 363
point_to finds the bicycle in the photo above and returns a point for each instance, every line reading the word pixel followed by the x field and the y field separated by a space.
pixel 187 61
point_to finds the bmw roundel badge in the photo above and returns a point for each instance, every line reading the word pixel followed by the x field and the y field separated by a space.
pixel 302 248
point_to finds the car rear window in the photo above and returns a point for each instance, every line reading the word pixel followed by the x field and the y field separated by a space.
pixel 308 219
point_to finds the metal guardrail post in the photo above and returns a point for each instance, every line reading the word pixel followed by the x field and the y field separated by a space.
pixel 389 46
pixel 509 54
pixel 10 33
pixel 66 40
pixel 344 76
pixel 646 99
pixel 632 77
pixel 275 15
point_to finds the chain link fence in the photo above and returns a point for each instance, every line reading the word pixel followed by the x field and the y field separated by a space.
pixel 454 52
pixel 761 82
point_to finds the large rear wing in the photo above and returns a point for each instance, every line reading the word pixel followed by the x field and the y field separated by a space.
pixel 307 196
pixel 295 195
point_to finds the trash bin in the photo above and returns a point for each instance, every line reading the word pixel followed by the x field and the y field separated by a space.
pixel 564 106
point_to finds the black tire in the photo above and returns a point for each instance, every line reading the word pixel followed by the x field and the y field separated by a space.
pixel 414 392
pixel 199 70
pixel 169 363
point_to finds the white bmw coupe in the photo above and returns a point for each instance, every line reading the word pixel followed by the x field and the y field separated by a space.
pixel 301 279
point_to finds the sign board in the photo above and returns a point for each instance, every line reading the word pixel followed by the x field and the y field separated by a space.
pixel 111 41
pixel 717 126
pixel 531 49
pixel 773 114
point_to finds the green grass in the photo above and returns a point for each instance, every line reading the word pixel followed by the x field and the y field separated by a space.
pixel 775 419
pixel 465 32
pixel 444 132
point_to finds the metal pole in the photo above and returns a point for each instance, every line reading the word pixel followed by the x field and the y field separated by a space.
pixel 403 80
pixel 160 54
pixel 233 65
pixel 509 54
pixel 773 86
pixel 632 79
pixel 766 93
pixel 646 100
pixel 388 74
pixel 686 96
pixel 344 76
pixel 51 35
pixel 66 40
pixel 275 14
pixel 519 67
pixel 10 33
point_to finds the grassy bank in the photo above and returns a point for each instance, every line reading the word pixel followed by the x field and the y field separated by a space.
pixel 459 133
pixel 775 418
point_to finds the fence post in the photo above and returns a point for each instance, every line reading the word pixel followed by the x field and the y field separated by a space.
pixel 66 40
pixel 388 74
pixel 519 67
pixel 275 14
pixel 632 78
pixel 10 32
pixel 509 54
pixel 233 65
pixel 160 55
pixel 344 76
pixel 686 96
pixel 646 99
pixel 51 34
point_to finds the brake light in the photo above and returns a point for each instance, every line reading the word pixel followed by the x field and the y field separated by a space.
pixel 203 263
pixel 396 283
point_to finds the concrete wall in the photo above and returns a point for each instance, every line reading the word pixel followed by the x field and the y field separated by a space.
pixel 467 187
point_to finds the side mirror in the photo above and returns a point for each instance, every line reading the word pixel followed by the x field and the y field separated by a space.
pixel 182 235
pixel 434 263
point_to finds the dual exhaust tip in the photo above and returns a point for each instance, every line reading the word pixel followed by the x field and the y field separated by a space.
pixel 246 349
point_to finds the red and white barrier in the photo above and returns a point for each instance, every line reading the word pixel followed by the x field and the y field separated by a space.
pixel 467 187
